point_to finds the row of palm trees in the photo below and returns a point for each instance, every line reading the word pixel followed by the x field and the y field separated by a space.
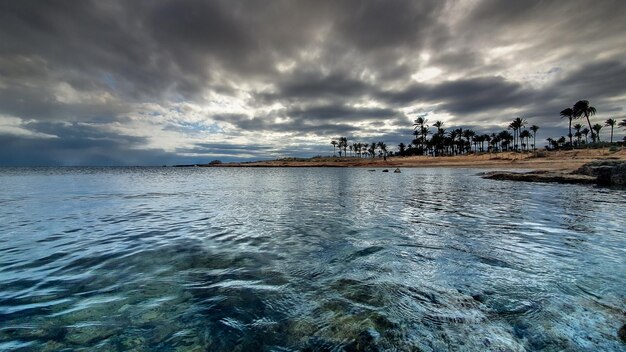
pixel 441 142
pixel 358 149
pixel 459 141
pixel 462 141
pixel 581 109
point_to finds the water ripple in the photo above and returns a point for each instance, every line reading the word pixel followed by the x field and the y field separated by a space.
pixel 118 259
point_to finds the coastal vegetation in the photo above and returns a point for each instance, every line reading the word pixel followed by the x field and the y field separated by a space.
pixel 582 109
pixel 437 140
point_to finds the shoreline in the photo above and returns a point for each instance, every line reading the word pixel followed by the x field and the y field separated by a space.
pixel 543 160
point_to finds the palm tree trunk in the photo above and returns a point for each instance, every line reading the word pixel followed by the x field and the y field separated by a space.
pixel 593 135
pixel 612 133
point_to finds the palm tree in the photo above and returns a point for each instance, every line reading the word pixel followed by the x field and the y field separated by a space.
pixel 459 134
pixel 622 123
pixel 585 131
pixel 597 127
pixel 401 148
pixel 569 113
pixel 610 122
pixel 469 134
pixel 577 127
pixel 524 134
pixel 439 126
pixel 506 138
pixel 334 143
pixel 582 108
pixel 517 124
pixel 383 149
pixel 535 129
pixel 372 149
pixel 343 143
pixel 420 123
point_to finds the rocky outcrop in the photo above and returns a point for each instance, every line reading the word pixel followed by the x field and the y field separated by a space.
pixel 539 176
pixel 602 172
pixel 606 172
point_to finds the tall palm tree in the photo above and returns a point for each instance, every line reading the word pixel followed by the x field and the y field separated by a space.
pixel 597 127
pixel 420 124
pixel 469 134
pixel 569 113
pixel 610 122
pixel 535 128
pixel 343 141
pixel 459 134
pixel 453 134
pixel 582 108
pixel 517 124
pixel 334 143
pixel 439 126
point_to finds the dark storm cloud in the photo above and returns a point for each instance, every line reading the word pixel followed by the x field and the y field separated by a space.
pixel 312 85
pixel 340 113
pixel 596 80
pixel 464 96
pixel 292 126
pixel 65 65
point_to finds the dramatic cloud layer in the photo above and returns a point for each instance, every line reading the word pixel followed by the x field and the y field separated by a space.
pixel 175 81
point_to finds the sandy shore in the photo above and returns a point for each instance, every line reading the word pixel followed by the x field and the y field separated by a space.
pixel 555 160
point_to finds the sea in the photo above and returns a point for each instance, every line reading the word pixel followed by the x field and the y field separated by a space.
pixel 307 259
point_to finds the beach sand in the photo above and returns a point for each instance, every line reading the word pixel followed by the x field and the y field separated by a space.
pixel 543 160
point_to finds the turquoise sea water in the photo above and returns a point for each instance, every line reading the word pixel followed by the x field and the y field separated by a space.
pixel 196 259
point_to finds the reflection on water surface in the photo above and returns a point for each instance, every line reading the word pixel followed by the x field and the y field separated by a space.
pixel 306 259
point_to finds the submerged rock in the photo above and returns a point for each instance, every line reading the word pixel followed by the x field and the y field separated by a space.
pixel 366 341
pixel 622 333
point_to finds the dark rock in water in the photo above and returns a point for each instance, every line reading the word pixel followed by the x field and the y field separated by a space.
pixel 602 172
pixel 385 170
pixel 397 171
pixel 479 298
pixel 607 172
pixel 539 176
pixel 622 333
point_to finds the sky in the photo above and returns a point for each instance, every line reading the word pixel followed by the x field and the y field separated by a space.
pixel 152 82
